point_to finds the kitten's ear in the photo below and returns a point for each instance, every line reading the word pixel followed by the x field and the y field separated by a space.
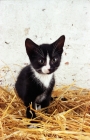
pixel 30 45
pixel 59 43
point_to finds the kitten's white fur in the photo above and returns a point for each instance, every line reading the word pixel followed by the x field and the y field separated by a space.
pixel 45 69
pixel 44 78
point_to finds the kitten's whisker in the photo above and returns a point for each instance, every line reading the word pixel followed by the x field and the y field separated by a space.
pixel 37 69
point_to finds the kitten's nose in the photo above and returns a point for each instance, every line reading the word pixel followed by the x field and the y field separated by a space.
pixel 46 70
pixel 49 70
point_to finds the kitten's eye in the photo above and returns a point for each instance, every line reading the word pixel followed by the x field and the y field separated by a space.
pixel 54 60
pixel 41 61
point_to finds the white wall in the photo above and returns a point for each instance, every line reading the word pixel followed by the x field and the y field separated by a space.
pixel 44 21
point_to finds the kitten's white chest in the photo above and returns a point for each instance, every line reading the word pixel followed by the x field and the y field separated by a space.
pixel 43 78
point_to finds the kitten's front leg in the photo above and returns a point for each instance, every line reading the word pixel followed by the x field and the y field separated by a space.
pixel 40 98
pixel 43 100
pixel 29 113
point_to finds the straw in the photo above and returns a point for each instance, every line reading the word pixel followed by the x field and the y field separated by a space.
pixel 67 117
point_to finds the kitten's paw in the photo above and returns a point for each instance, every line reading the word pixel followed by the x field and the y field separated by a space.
pixel 37 106
pixel 30 114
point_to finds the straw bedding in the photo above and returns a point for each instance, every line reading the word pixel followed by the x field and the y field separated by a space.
pixel 68 116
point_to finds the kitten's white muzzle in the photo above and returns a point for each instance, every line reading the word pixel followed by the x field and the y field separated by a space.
pixel 45 69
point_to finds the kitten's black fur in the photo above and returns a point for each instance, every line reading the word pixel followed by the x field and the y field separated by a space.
pixel 29 85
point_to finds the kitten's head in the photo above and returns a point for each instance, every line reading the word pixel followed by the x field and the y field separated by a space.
pixel 45 58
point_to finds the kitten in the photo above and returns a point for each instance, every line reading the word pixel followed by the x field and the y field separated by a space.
pixel 36 81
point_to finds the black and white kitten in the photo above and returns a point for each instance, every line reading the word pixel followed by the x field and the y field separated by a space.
pixel 36 81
